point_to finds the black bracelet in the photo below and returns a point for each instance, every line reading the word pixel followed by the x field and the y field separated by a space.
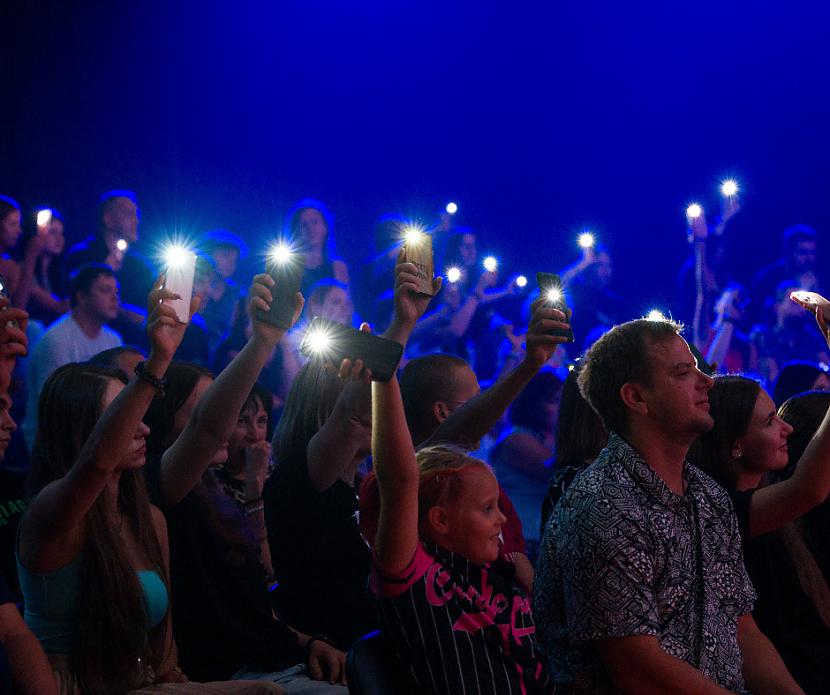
pixel 158 384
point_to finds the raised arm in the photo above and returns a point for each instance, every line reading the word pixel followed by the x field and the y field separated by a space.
pixel 214 417
pixel 393 455
pixel 53 526
pixel 334 447
pixel 775 505
pixel 469 423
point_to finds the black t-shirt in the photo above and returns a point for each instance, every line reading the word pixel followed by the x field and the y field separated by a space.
pixel 222 616
pixel 12 505
pixel 320 559
pixel 784 613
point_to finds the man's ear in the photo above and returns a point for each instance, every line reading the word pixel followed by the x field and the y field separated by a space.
pixel 438 520
pixel 440 411
pixel 633 397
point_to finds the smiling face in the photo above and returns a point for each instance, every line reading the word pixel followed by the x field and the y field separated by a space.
pixel 470 524
pixel 763 447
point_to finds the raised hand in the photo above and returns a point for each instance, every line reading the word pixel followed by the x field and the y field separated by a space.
pixel 819 306
pixel 410 305
pixel 539 346
pixel 163 327
pixel 261 298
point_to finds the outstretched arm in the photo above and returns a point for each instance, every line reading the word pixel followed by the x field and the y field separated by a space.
pixel 214 417
pixel 469 423
pixel 52 530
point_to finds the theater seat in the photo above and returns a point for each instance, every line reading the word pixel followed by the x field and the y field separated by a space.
pixel 373 669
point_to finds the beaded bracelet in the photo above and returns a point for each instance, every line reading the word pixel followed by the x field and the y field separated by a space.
pixel 158 384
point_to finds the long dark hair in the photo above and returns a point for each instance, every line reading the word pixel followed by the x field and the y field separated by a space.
pixel 310 402
pixel 110 639
pixel 222 514
pixel 526 410
pixel 731 404
pixel 580 434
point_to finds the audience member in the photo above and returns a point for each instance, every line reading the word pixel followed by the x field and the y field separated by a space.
pixel 310 227
pixel 42 261
pixel 797 265
pixel 434 524
pixel 797 377
pixel 748 442
pixel 791 335
pixel 222 294
pixel 320 560
pixel 580 437
pixel 641 584
pixel 521 458
pixel 77 336
pixel 10 231
pixel 123 357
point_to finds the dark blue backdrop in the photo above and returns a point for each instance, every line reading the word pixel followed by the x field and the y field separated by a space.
pixel 537 117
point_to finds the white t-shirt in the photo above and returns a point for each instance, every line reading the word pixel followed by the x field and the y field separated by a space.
pixel 62 343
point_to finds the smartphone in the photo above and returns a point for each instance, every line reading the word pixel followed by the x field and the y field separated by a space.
pixel 179 279
pixel 548 282
pixel 43 219
pixel 287 276
pixel 418 251
pixel 381 355
pixel 4 293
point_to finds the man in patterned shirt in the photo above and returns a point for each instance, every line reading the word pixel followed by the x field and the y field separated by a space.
pixel 641 585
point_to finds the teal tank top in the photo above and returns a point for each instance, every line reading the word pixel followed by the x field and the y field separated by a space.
pixel 51 602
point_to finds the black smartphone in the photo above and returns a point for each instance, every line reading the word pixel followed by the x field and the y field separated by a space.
pixel 4 293
pixel 287 275
pixel 335 342
pixel 550 289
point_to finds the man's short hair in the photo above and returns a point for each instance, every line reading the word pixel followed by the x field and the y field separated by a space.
pixel 110 199
pixel 426 380
pixel 621 356
pixel 83 278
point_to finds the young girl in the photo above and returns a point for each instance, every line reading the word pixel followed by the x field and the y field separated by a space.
pixel 456 617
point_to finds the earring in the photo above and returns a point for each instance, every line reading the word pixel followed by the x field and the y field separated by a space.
pixel 737 453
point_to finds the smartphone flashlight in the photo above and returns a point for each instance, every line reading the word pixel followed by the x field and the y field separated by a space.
pixel 453 274
pixel 656 315
pixel 521 281
pixel 694 211
pixel 181 267
pixel 553 295
pixel 280 253
pixel 44 217
pixel 121 244
pixel 451 208
pixel 318 341
pixel 729 188
pixel 412 236
pixel 586 241
pixel 490 264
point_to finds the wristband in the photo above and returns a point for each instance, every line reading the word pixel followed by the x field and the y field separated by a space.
pixel 158 384
pixel 254 510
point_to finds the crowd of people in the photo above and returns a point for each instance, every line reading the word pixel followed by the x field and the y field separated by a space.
pixel 199 506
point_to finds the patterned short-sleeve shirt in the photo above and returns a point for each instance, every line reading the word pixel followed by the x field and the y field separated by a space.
pixel 623 555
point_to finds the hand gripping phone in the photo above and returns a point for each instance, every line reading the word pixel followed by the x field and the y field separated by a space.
pixel 335 342
pixel 287 274
pixel 550 289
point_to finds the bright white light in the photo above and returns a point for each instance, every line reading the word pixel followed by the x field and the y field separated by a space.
pixel 121 244
pixel 694 211
pixel 453 274
pixel 44 217
pixel 586 240
pixel 280 253
pixel 413 236
pixel 801 296
pixel 452 208
pixel 176 256
pixel 490 264
pixel 729 187
pixel 318 340
pixel 553 295
pixel 521 281
pixel 656 315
